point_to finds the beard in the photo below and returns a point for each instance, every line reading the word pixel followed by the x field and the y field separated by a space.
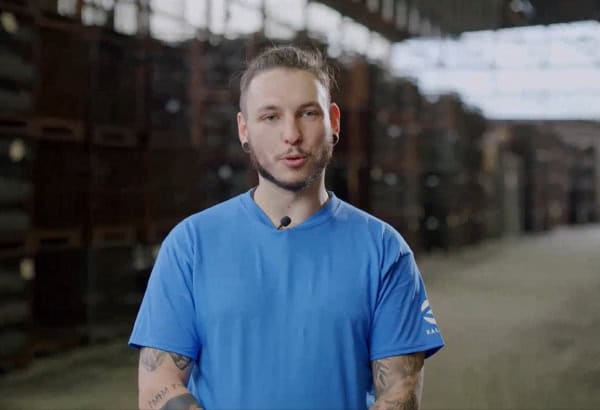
pixel 317 165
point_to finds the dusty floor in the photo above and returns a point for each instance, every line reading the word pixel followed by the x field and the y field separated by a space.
pixel 521 318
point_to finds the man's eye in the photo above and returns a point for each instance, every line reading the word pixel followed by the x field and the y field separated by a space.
pixel 270 117
pixel 310 113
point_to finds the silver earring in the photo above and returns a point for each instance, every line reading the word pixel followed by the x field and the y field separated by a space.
pixel 336 139
pixel 246 147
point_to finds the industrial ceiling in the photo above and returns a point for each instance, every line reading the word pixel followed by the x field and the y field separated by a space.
pixel 401 19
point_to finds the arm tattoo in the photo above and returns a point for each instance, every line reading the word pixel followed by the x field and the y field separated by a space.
pixel 398 381
pixel 183 402
pixel 388 370
pixel 180 361
pixel 381 372
pixel 151 359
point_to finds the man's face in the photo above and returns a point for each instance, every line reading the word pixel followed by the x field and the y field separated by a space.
pixel 288 124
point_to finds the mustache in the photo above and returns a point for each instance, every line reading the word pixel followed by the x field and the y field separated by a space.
pixel 294 152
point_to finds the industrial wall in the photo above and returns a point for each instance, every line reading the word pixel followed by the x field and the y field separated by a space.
pixel 107 141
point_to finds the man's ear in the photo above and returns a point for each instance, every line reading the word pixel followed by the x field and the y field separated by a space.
pixel 242 128
pixel 335 118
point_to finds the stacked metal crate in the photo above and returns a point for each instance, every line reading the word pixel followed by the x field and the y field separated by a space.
pixel 535 147
pixel 170 108
pixel 582 195
pixel 477 188
pixel 61 103
pixel 16 188
pixel 170 158
pixel 349 169
pixel 115 278
pixel 37 179
pixel 559 164
pixel 61 194
pixel 16 265
pixel 18 79
pixel 444 177
pixel 501 178
pixel 395 167
pixel 226 168
pixel 15 310
pixel 71 176
pixel 115 119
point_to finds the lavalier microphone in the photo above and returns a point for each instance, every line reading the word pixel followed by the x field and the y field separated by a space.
pixel 285 221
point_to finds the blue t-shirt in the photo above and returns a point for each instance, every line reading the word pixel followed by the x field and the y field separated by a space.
pixel 285 319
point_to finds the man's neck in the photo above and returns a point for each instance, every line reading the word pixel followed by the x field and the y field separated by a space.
pixel 277 202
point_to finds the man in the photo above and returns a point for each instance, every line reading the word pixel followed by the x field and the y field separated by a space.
pixel 284 297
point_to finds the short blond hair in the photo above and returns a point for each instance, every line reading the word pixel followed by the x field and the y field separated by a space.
pixel 290 57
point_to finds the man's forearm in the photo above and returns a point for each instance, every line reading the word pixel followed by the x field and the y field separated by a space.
pixel 406 400
pixel 398 382
pixel 173 397
pixel 161 381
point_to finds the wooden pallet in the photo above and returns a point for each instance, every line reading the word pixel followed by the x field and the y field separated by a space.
pixel 16 6
pixel 113 235
pixel 13 244
pixel 54 238
pixel 18 125
pixel 58 129
pixel 111 136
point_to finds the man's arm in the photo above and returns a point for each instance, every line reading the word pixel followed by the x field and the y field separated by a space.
pixel 398 382
pixel 162 380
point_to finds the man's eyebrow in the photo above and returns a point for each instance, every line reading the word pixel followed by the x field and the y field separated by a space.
pixel 270 107
pixel 310 104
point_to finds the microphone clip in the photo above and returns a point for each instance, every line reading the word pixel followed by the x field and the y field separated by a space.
pixel 285 221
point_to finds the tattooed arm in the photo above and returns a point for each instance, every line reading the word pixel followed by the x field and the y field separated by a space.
pixel 398 382
pixel 162 379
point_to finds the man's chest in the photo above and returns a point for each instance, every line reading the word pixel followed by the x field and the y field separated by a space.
pixel 282 287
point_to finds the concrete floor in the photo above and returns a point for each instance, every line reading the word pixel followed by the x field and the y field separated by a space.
pixel 521 318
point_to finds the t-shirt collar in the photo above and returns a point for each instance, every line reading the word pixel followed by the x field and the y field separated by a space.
pixel 319 217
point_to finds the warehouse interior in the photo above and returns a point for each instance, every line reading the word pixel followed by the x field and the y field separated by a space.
pixel 471 127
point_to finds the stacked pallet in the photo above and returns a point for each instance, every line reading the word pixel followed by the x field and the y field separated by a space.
pixel 546 181
pixel 16 188
pixel 394 154
pixel 15 310
pixel 477 195
pixel 18 47
pixel 16 196
pixel 502 181
pixel 558 181
pixel 71 176
pixel 107 141
pixel 226 170
pixel 444 177
pixel 582 195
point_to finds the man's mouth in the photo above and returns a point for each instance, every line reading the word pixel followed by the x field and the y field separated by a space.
pixel 294 160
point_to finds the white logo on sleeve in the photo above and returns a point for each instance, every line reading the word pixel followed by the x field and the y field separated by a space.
pixel 427 313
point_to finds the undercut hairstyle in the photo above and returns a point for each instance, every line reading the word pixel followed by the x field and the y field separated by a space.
pixel 290 57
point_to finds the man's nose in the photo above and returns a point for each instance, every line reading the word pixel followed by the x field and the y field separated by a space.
pixel 291 133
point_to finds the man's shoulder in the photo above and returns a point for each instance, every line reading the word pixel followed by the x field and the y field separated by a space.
pixel 363 222
pixel 217 216
pixel 226 209
pixel 360 218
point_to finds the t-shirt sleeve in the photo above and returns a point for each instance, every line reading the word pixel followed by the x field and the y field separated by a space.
pixel 166 319
pixel 403 320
